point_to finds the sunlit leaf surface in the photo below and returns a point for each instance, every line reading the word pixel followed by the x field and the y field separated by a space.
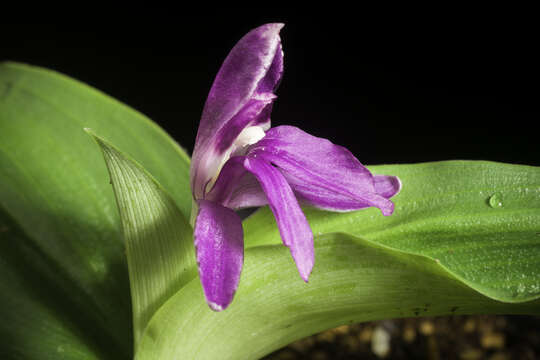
pixel 159 241
pixel 54 188
pixel 479 220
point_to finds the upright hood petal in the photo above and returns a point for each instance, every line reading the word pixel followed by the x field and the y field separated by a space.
pixel 241 96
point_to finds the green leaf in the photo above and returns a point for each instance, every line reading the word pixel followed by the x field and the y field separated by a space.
pixel 38 321
pixel 54 188
pixel 352 281
pixel 159 240
pixel 479 220
pixel 446 250
pixel 464 236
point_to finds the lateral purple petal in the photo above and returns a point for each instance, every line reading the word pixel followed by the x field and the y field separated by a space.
pixel 293 226
pixel 237 188
pixel 219 242
pixel 387 186
pixel 322 174
pixel 241 96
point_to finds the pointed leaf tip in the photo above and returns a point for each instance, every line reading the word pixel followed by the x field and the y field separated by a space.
pixel 153 228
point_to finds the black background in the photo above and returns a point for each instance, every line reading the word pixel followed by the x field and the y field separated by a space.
pixel 429 84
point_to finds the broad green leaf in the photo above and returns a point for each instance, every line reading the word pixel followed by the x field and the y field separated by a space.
pixel 448 249
pixel 55 187
pixel 159 241
pixel 37 318
pixel 352 281
pixel 479 220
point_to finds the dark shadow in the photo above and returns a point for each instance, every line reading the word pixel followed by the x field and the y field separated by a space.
pixel 43 281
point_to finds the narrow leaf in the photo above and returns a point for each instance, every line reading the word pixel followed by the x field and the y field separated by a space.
pixel 159 241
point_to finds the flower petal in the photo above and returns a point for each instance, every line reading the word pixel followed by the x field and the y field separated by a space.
pixel 241 96
pixel 322 174
pixel 387 186
pixel 219 242
pixel 293 226
pixel 236 188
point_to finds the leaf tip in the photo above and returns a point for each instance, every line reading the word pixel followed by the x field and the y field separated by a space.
pixel 99 140
pixel 89 131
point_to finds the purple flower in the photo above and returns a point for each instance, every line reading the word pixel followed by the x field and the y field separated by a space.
pixel 239 161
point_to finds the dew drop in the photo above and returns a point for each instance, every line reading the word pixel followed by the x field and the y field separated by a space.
pixel 495 200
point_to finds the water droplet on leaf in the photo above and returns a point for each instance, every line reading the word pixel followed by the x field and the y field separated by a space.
pixel 495 200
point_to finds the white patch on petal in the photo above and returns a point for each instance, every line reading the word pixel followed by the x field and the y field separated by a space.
pixel 249 136
pixel 215 306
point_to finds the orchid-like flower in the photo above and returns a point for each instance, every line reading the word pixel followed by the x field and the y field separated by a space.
pixel 239 162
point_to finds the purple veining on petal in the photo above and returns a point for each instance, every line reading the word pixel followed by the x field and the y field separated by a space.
pixel 258 109
pixel 324 199
pixel 293 226
pixel 245 68
pixel 271 80
pixel 240 95
pixel 308 195
pixel 219 242
pixel 323 174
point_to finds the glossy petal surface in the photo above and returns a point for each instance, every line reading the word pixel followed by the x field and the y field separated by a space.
pixel 322 174
pixel 219 242
pixel 236 188
pixel 293 226
pixel 387 186
pixel 240 96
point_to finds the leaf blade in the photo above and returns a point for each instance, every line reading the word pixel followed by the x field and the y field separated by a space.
pixel 158 238
pixel 443 213
pixel 373 267
pixel 37 315
pixel 54 185
pixel 353 281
